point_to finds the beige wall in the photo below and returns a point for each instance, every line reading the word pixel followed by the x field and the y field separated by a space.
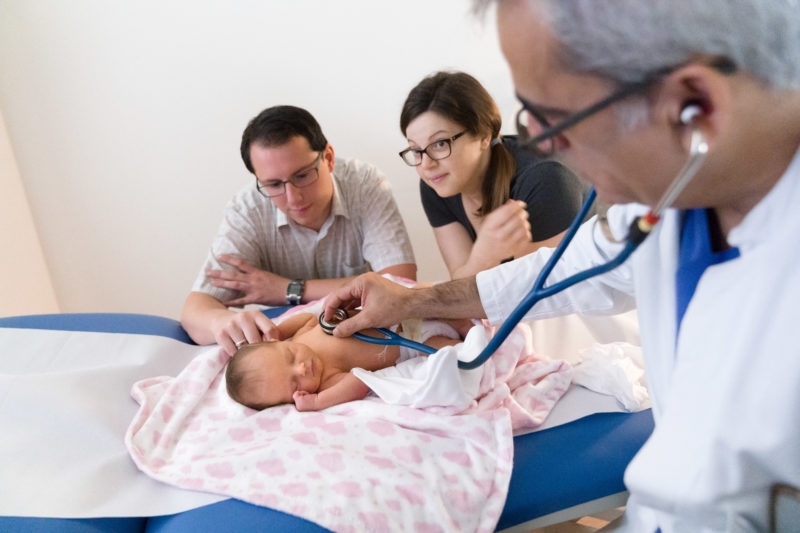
pixel 125 118
pixel 25 286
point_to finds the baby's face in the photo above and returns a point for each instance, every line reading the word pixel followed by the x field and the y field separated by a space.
pixel 277 370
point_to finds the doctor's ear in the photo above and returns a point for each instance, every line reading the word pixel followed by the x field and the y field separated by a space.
pixel 697 96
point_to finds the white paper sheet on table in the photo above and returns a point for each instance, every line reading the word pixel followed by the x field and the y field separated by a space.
pixel 64 407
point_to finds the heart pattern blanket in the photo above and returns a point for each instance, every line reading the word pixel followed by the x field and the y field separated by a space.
pixel 361 466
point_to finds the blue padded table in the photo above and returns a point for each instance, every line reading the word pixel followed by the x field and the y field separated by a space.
pixel 555 469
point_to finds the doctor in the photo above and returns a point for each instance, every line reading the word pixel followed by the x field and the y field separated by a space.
pixel 717 284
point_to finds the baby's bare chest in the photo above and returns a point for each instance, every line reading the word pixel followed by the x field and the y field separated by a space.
pixel 348 353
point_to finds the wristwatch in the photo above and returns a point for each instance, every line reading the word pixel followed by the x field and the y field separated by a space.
pixel 294 292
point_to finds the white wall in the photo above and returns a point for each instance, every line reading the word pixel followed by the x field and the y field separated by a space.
pixel 125 119
pixel 25 286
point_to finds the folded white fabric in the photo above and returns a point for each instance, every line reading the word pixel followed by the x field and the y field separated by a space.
pixel 512 378
pixel 616 369
pixel 433 381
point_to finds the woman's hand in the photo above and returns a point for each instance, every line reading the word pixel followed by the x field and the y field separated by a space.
pixel 504 233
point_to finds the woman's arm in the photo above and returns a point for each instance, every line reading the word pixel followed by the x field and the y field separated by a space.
pixel 504 233
pixel 531 247
pixel 455 246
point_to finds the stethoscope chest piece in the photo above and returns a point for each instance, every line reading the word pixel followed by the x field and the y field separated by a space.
pixel 338 316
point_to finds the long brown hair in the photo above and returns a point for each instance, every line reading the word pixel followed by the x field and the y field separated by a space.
pixel 461 98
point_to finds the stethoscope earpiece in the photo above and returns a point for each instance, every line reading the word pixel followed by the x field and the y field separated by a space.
pixel 689 112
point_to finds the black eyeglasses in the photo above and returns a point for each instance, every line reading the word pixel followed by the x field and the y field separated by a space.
pixel 436 150
pixel 544 144
pixel 304 178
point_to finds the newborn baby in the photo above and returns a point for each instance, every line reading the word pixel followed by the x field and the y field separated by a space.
pixel 312 369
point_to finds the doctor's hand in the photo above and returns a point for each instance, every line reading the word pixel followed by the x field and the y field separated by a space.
pixel 383 303
pixel 257 286
pixel 505 232
pixel 246 327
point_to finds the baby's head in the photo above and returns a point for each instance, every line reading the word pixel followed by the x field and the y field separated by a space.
pixel 268 373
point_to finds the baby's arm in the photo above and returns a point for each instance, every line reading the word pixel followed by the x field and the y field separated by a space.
pixel 346 389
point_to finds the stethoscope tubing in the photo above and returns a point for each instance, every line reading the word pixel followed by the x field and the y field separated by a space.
pixel 392 338
pixel 538 292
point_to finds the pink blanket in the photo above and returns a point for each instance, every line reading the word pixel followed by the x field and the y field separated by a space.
pixel 364 465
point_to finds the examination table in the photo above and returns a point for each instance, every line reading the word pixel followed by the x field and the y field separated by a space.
pixel 560 472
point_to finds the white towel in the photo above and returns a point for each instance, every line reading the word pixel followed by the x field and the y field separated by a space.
pixel 616 369
pixel 512 377
pixel 432 381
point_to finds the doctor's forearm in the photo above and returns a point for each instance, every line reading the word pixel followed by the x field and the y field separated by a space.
pixel 451 299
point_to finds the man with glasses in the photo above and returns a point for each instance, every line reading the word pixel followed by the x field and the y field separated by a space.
pixel 309 222
pixel 619 90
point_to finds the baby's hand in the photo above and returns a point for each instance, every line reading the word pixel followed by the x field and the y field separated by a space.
pixel 305 401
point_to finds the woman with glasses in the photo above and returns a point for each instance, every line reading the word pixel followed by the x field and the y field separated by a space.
pixel 487 198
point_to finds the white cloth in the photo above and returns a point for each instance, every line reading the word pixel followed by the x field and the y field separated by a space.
pixel 429 381
pixel 615 369
pixel 726 395
pixel 512 379
pixel 364 232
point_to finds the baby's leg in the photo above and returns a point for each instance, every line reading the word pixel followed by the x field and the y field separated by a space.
pixel 441 333
pixel 435 333
pixel 440 341
pixel 461 325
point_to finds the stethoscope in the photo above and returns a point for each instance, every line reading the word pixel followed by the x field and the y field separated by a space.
pixel 389 337
pixel 638 231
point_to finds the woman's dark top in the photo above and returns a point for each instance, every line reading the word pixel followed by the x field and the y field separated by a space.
pixel 553 194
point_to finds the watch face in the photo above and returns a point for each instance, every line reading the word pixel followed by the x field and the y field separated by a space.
pixel 294 292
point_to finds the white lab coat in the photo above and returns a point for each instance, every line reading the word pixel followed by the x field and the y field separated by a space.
pixel 726 396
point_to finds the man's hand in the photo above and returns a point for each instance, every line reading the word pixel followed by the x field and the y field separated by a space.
pixel 382 302
pixel 249 326
pixel 504 233
pixel 257 286
pixel 305 401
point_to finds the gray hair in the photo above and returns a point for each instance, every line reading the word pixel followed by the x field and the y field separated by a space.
pixel 629 40
pixel 625 40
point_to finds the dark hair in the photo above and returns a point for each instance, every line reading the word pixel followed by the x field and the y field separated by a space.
pixel 461 98
pixel 276 126
pixel 235 376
